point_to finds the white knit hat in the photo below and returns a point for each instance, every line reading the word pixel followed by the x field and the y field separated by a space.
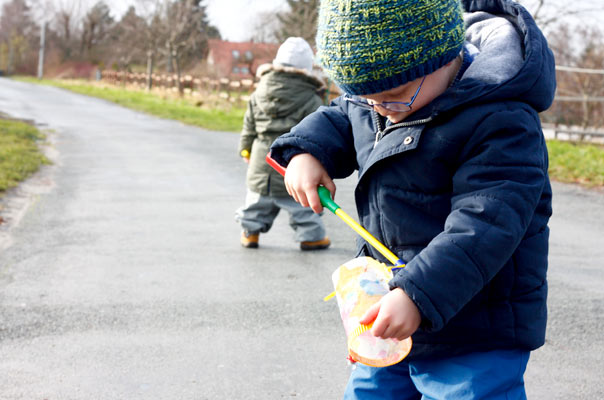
pixel 295 52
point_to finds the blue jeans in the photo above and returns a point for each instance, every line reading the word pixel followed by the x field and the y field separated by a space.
pixel 489 375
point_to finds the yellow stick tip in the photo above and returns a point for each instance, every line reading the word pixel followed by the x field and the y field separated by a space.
pixel 329 296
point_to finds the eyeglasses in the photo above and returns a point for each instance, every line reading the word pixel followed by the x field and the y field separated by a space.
pixel 396 106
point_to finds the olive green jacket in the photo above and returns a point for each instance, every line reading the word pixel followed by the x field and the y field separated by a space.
pixel 284 96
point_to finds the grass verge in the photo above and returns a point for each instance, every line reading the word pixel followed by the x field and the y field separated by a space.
pixel 228 119
pixel 20 155
pixel 569 162
pixel 576 162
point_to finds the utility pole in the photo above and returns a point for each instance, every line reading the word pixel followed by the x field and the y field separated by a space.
pixel 11 54
pixel 41 54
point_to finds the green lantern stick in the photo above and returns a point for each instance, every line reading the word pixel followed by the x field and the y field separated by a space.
pixel 327 202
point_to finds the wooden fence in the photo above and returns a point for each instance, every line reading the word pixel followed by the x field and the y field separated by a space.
pixel 574 134
pixel 227 90
pixel 211 91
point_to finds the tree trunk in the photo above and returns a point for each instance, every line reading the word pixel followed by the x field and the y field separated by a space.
pixel 149 70
pixel 585 108
pixel 169 68
pixel 11 57
pixel 177 65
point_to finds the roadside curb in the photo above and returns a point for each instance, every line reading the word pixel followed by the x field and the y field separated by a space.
pixel 16 201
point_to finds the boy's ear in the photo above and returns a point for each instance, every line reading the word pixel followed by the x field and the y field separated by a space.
pixel 450 63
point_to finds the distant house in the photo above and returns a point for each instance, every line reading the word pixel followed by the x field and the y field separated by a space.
pixel 238 59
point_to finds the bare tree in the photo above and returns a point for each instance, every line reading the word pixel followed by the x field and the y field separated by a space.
pixel 66 24
pixel 548 13
pixel 266 28
pixel 129 39
pixel 18 34
pixel 96 26
pixel 138 36
pixel 578 89
pixel 300 20
pixel 185 30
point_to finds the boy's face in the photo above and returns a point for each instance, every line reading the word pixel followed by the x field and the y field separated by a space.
pixel 434 85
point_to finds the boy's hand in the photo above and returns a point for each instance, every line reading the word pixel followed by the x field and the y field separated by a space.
pixel 304 174
pixel 394 316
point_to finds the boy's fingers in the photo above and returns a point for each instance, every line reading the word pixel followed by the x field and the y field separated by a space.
pixel 296 197
pixel 370 314
pixel 381 323
pixel 295 193
pixel 379 327
pixel 329 185
pixel 313 200
pixel 300 197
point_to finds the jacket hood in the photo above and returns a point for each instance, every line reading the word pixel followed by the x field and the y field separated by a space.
pixel 282 90
pixel 511 58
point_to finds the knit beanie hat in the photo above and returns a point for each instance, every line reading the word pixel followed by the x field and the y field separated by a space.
pixel 295 52
pixel 369 46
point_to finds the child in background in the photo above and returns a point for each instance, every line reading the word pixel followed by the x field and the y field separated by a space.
pixel 286 93
pixel 440 118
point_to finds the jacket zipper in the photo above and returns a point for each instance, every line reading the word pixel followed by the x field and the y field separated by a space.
pixel 381 132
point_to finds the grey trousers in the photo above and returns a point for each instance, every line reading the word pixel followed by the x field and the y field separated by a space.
pixel 259 213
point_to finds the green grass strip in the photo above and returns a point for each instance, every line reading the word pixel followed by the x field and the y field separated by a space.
pixel 229 119
pixel 576 162
pixel 569 162
pixel 20 155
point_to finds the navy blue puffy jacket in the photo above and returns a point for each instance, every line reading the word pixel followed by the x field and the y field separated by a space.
pixel 459 190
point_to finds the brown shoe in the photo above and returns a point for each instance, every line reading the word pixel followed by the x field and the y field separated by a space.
pixel 316 245
pixel 249 240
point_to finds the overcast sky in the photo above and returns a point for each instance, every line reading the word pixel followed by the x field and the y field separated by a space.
pixel 238 26
pixel 236 19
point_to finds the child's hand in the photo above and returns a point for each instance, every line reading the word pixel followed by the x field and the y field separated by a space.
pixel 245 155
pixel 304 174
pixel 394 316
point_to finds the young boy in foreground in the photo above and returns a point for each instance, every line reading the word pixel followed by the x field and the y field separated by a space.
pixel 440 119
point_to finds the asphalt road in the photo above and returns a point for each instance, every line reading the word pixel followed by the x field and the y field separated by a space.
pixel 121 274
